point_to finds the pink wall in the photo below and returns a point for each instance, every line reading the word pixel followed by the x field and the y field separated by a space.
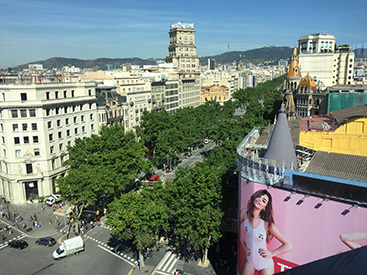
pixel 314 233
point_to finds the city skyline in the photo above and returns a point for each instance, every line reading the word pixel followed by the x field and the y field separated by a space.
pixel 38 30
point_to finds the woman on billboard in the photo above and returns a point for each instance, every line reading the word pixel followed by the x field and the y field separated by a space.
pixel 259 228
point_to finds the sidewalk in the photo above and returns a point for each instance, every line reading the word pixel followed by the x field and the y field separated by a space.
pixel 43 217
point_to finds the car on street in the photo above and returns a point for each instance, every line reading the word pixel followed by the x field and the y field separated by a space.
pixel 47 241
pixel 20 244
pixel 154 178
pixel 52 199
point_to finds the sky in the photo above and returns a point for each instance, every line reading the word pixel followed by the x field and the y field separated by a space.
pixel 33 30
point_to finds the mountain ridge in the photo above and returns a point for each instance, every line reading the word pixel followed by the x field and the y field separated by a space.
pixel 268 54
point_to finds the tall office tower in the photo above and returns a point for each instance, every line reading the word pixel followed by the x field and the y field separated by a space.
pixel 182 52
pixel 317 56
pixel 211 64
pixel 39 119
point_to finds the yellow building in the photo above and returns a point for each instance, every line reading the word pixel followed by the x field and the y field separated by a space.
pixel 216 93
pixel 343 131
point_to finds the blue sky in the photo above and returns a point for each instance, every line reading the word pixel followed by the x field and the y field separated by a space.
pixel 32 30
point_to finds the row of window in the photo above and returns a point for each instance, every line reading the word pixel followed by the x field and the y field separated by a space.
pixel 50 111
pixel 66 109
pixel 25 127
pixel 67 121
pixel 23 113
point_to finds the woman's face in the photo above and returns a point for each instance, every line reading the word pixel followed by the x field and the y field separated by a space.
pixel 261 202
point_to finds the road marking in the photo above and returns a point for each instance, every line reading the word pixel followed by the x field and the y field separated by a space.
pixel 132 264
pixel 167 264
pixel 163 273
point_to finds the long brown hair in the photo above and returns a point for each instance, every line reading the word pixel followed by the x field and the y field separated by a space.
pixel 266 215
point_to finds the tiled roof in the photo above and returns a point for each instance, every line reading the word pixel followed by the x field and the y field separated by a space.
pixel 339 165
pixel 344 115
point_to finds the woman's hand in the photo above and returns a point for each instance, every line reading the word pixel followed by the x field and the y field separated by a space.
pixel 247 250
pixel 265 253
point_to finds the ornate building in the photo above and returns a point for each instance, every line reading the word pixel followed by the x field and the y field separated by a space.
pixel 291 82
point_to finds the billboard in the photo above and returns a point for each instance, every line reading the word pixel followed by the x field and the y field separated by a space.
pixel 304 228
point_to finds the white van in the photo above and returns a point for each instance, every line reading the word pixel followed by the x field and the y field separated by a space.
pixel 69 247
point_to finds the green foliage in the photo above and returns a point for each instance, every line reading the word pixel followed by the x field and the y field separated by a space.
pixel 139 218
pixel 103 164
pixel 194 198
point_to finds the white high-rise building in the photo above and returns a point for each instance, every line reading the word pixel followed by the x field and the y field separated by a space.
pixel 39 119
pixel 182 52
pixel 317 56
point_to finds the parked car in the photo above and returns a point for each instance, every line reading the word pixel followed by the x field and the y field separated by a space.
pixel 47 241
pixel 20 244
pixel 52 199
pixel 154 178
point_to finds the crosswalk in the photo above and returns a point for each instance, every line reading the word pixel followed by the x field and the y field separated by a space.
pixel 110 249
pixel 168 264
pixel 5 244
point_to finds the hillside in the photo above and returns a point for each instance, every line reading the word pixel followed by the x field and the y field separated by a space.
pixel 100 63
pixel 256 56
pixel 266 54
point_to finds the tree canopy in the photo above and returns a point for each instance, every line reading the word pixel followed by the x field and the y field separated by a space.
pixel 102 164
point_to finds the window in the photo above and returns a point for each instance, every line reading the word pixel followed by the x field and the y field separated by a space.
pixel 48 111
pixel 56 94
pixel 34 126
pixel 29 168
pixel 83 129
pixel 72 93
pixel 92 127
pixel 65 93
pixel 25 126
pixel 76 131
pixel 67 121
pixel 58 122
pixel 36 151
pixel 23 96
pixel 65 110
pixel 59 134
pixel 50 137
pixel 14 113
pixel 49 124
pixel 23 113
pixel 47 95
pixel 35 139
pixel 15 128
pixel 17 140
pixel 57 111
pixel 60 146
pixel 18 154
pixel 52 149
pixel 68 133
pixel 91 116
pixel 3 140
pixel 81 107
pixel 26 140
pixel 82 118
pixel 75 119
pixel 89 92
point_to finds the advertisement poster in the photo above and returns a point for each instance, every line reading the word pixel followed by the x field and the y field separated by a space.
pixel 304 228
